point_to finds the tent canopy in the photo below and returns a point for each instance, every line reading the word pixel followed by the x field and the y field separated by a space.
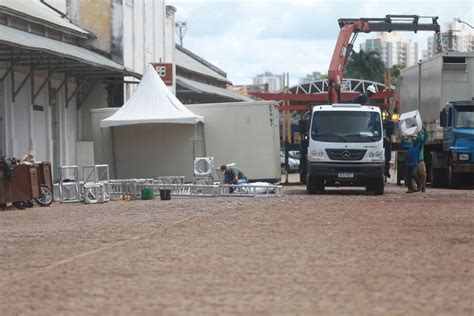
pixel 152 102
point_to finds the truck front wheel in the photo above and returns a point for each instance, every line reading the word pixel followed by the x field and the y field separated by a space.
pixel 303 177
pixel 376 185
pixel 315 185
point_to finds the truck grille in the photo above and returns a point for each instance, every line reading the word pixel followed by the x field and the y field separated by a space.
pixel 346 154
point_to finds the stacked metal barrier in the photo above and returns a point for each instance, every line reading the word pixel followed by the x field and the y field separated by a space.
pixel 133 187
pixel 220 189
pixel 93 188
pixel 96 186
pixel 69 185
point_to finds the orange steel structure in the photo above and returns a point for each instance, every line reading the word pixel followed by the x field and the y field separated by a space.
pixel 349 29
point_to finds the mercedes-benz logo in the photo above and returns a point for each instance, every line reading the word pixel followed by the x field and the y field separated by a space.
pixel 346 154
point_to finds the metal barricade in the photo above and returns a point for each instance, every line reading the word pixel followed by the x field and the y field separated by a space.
pixel 69 187
pixel 97 174
pixel 132 188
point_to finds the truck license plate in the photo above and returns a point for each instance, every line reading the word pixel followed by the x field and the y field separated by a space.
pixel 345 175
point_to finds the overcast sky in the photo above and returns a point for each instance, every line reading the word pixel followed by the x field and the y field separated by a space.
pixel 248 37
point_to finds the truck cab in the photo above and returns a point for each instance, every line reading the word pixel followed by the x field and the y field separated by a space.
pixel 457 120
pixel 345 148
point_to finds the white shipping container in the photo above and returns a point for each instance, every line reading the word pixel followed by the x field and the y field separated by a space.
pixel 428 86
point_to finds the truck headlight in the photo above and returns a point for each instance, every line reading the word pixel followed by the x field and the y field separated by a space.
pixel 316 154
pixel 375 154
pixel 379 153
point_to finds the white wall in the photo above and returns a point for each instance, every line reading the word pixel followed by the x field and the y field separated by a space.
pixel 25 128
pixel 245 133
pixel 144 38
pixel 41 125
pixel 2 121
pixel 148 36
pixel 96 99
pixel 102 140
pixel 154 150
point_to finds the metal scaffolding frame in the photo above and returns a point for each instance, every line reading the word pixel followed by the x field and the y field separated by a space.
pixel 69 189
pixel 134 187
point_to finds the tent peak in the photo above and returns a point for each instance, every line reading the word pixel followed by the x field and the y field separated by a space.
pixel 152 102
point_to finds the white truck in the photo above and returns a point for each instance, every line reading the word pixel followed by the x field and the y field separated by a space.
pixel 345 148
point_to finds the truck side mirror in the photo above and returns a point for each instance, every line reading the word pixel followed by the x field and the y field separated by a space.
pixel 304 126
pixel 305 123
pixel 443 117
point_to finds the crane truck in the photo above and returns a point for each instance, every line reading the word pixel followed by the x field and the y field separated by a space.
pixel 442 90
pixel 343 143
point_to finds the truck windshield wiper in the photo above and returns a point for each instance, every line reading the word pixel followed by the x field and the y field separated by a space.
pixel 374 138
pixel 371 137
pixel 328 134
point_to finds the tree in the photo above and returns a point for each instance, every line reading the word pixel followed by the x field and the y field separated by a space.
pixel 395 72
pixel 365 65
pixel 322 77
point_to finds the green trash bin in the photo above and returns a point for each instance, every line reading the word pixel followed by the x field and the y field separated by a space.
pixel 147 194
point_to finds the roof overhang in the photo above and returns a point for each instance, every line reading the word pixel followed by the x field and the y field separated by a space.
pixel 36 12
pixel 202 88
pixel 20 48
pixel 190 62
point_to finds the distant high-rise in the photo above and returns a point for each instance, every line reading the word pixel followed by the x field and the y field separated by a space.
pixel 275 82
pixel 393 49
pixel 458 38
pixel 310 77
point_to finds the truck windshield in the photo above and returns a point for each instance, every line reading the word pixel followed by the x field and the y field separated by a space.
pixel 465 117
pixel 346 126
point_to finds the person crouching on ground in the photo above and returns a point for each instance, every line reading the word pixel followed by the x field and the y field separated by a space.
pixel 233 175
pixel 413 159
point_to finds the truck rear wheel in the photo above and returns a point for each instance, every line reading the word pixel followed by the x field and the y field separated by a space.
pixel 436 177
pixel 315 185
pixel 376 185
pixel 453 181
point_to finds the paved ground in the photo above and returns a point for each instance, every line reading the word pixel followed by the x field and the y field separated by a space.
pixel 336 254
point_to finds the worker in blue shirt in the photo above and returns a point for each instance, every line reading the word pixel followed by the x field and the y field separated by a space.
pixel 413 159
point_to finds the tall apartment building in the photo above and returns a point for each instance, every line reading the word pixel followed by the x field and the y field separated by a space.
pixel 310 77
pixel 275 82
pixel 393 49
pixel 459 37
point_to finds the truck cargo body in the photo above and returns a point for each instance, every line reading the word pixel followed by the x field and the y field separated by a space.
pixel 245 133
pixel 444 84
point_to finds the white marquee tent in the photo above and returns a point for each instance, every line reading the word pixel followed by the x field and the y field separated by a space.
pixel 152 102
pixel 153 134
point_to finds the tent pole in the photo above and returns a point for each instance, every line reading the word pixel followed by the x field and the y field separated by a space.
pixel 195 138
pixel 113 152
pixel 203 137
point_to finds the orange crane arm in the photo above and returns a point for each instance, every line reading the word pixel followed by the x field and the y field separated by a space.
pixel 348 33
pixel 339 57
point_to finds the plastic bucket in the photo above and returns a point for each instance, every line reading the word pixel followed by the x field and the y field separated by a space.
pixel 165 194
pixel 147 194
